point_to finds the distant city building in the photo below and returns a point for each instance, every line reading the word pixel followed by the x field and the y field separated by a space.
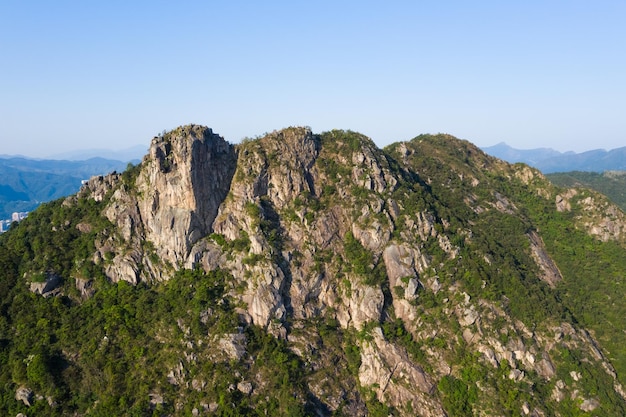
pixel 17 216
pixel 4 225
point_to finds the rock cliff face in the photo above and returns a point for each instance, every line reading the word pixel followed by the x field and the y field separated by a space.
pixel 423 256
pixel 174 201
pixel 182 183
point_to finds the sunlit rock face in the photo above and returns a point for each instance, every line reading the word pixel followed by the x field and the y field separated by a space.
pixel 383 247
pixel 184 179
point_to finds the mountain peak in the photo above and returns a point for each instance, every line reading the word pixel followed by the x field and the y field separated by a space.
pixel 316 274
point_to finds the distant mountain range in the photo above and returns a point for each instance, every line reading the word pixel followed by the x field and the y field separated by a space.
pixel 25 183
pixel 549 160
pixel 129 154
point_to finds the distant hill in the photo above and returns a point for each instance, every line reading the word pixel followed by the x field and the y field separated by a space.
pixel 527 156
pixel 597 160
pixel 549 160
pixel 134 153
pixel 25 183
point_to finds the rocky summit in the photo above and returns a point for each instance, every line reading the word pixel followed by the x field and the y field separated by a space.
pixel 316 274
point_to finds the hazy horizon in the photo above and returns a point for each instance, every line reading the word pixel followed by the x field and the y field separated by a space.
pixel 73 154
pixel 82 75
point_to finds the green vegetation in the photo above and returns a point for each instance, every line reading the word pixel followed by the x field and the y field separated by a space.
pixel 361 262
pixel 495 263
pixel 130 174
pixel 240 244
pixel 50 240
pixel 610 183
pixel 129 339
pixel 462 222
pixel 458 396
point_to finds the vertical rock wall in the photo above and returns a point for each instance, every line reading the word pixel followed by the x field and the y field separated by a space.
pixel 185 178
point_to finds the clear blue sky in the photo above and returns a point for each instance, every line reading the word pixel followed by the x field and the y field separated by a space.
pixel 112 74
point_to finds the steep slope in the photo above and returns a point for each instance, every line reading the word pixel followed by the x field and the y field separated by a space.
pixel 576 236
pixel 306 274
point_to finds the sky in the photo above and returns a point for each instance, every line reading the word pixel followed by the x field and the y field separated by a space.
pixel 113 74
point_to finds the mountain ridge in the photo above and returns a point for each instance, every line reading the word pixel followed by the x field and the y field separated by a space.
pixel 26 182
pixel 24 197
pixel 316 274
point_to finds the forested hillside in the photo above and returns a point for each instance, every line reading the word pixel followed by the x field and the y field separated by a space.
pixel 315 274
pixel 610 183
